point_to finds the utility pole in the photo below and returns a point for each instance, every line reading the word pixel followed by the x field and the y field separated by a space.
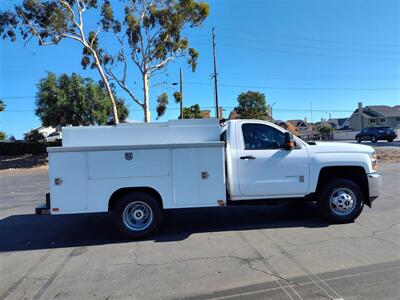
pixel 311 113
pixel 215 76
pixel 181 91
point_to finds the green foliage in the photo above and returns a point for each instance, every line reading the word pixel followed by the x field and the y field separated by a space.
pixel 177 97
pixel 326 129
pixel 49 20
pixel 252 105
pixel 192 112
pixel 34 136
pixel 73 100
pixel 2 105
pixel 21 148
pixel 162 102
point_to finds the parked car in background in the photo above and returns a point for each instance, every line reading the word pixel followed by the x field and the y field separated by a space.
pixel 374 134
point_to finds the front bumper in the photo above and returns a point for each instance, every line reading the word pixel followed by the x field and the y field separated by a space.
pixel 374 185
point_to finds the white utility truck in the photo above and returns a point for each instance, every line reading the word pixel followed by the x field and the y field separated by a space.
pixel 136 171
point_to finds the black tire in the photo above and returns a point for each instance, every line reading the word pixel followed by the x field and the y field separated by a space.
pixel 358 140
pixel 373 139
pixel 390 140
pixel 328 190
pixel 142 202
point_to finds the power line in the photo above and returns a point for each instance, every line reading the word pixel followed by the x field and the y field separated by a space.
pixel 256 86
pixel 311 47
pixel 298 88
pixel 311 39
pixel 307 53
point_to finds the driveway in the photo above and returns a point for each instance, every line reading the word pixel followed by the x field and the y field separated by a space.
pixel 276 252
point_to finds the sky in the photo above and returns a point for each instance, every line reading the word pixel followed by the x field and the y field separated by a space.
pixel 312 59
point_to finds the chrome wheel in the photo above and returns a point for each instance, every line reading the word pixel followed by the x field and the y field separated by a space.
pixel 137 216
pixel 342 201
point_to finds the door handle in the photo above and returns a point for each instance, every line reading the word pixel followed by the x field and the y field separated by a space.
pixel 247 157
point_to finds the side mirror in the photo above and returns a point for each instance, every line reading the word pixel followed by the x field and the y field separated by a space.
pixel 289 141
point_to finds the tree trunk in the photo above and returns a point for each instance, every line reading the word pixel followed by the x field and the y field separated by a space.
pixel 107 84
pixel 147 115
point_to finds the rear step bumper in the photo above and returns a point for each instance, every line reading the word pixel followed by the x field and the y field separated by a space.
pixel 44 209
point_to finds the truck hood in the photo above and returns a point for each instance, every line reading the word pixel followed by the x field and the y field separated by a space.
pixel 334 147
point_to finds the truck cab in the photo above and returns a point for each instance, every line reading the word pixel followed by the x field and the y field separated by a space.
pixel 259 164
pixel 340 177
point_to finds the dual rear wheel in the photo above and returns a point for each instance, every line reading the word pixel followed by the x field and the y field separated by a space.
pixel 137 215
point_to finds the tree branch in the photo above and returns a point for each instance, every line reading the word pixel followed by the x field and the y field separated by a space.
pixel 35 32
pixel 94 38
pixel 71 11
pixel 163 63
pixel 123 86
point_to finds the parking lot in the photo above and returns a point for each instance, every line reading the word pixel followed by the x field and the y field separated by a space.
pixel 275 252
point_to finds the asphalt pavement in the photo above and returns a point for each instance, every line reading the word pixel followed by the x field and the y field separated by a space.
pixel 274 252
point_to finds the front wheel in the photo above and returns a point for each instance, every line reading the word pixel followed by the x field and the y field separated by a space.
pixel 340 201
pixel 137 215
pixel 358 139
pixel 390 140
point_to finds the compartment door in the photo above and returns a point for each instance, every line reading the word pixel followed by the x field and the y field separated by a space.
pixel 212 176
pixel 69 195
pixel 186 177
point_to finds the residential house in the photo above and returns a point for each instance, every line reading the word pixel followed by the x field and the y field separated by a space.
pixel 49 133
pixel 339 123
pixel 205 113
pixel 300 125
pixel 375 116
pixel 300 128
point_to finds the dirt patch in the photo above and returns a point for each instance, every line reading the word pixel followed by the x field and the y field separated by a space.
pixel 388 155
pixel 23 161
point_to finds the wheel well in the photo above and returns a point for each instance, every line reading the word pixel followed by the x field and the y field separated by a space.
pixel 122 191
pixel 353 173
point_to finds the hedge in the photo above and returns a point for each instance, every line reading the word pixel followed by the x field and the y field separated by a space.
pixel 21 148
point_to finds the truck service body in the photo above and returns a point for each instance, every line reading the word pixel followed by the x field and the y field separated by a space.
pixel 138 170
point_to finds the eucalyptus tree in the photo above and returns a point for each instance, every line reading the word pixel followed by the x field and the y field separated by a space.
pixel 149 35
pixel 52 21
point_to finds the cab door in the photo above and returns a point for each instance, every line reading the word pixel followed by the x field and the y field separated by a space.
pixel 265 169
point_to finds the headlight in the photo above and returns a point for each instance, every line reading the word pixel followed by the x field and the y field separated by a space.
pixel 374 161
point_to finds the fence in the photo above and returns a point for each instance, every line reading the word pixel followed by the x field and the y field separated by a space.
pixel 344 135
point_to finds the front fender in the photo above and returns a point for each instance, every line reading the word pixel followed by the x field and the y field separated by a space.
pixel 321 160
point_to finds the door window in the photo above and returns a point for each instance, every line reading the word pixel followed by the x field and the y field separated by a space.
pixel 262 137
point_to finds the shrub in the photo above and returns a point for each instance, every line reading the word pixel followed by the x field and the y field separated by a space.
pixel 21 148
pixel 34 136
pixel 326 129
